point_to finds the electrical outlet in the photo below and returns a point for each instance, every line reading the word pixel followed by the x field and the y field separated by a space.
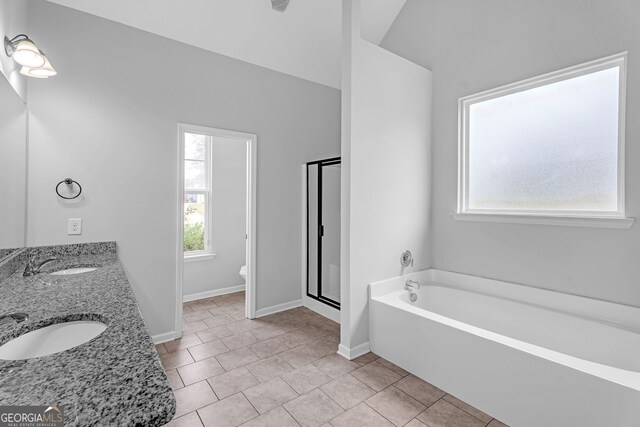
pixel 74 226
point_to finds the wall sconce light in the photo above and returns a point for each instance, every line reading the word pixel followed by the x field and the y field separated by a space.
pixel 25 52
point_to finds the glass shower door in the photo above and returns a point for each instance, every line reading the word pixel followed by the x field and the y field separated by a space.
pixel 323 231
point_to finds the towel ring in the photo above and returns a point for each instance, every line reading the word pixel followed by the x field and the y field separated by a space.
pixel 68 181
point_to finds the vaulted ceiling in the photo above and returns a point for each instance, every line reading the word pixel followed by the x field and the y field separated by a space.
pixel 303 41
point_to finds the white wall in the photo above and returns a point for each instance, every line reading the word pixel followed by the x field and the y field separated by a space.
pixel 385 172
pixel 13 162
pixel 474 46
pixel 13 21
pixel 109 120
pixel 228 222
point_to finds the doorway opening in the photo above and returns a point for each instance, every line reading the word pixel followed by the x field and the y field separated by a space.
pixel 216 227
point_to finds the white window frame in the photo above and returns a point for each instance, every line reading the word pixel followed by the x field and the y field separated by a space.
pixel 615 219
pixel 207 253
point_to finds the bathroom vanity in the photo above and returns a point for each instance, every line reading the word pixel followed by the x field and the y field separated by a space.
pixel 114 378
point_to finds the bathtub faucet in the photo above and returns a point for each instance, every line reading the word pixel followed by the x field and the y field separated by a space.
pixel 411 284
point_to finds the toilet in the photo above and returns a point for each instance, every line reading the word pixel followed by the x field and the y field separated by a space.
pixel 243 273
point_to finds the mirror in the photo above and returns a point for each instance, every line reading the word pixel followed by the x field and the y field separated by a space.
pixel 13 169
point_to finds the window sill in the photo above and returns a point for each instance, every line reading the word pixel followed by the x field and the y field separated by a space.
pixel 571 221
pixel 202 257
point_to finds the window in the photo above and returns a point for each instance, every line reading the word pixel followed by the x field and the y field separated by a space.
pixel 551 146
pixel 197 194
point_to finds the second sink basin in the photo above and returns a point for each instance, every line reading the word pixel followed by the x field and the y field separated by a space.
pixel 51 339
pixel 76 270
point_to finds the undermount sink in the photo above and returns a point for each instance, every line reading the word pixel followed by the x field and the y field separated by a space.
pixel 51 339
pixel 76 270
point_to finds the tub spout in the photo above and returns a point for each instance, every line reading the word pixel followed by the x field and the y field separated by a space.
pixel 411 285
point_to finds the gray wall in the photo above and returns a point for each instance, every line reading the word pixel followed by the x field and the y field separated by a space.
pixel 473 46
pixel 228 222
pixel 109 120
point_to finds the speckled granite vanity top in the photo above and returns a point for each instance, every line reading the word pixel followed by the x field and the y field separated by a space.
pixel 114 379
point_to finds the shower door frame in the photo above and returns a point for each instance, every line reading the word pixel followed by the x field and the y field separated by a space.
pixel 321 163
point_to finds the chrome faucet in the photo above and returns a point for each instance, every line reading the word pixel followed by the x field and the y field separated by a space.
pixel 33 268
pixel 411 285
pixel 13 317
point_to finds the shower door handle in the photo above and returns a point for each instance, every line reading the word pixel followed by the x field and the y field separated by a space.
pixel 321 231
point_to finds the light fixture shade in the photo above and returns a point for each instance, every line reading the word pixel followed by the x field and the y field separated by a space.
pixel 45 71
pixel 26 71
pixel 28 54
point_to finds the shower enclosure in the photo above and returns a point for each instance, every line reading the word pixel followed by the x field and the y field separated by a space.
pixel 323 231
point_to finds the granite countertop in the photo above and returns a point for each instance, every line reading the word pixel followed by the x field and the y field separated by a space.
pixel 114 379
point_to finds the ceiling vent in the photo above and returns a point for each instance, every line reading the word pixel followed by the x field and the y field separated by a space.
pixel 279 5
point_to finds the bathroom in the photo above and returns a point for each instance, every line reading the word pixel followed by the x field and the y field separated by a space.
pixel 295 87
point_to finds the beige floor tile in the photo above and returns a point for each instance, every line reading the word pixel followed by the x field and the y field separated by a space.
pixel 396 406
pixel 243 325
pixel 376 376
pixel 268 347
pixel 199 371
pixel 468 408
pixel 232 382
pixel 212 334
pixel 365 359
pixel 278 417
pixel 420 390
pixel 238 315
pixel 444 414
pixel 242 339
pixel 221 311
pixel 176 359
pixel 301 355
pixel 347 391
pixel 161 350
pixel 306 378
pixel 215 321
pixel 174 379
pixel 189 327
pixel 335 365
pixel 496 423
pixel 287 354
pixel 323 347
pixel 236 358
pixel 295 338
pixel 197 316
pixel 360 415
pixel 193 397
pixel 313 409
pixel 267 331
pixel 267 396
pixel 416 423
pixel 207 350
pixel 268 368
pixel 289 325
pixel 395 368
pixel 188 340
pixel 203 304
pixel 190 420
pixel 232 411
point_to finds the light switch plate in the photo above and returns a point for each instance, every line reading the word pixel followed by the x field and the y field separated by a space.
pixel 74 226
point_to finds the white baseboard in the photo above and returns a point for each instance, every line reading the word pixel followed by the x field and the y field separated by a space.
pixel 213 293
pixel 278 308
pixel 352 353
pixel 321 308
pixel 160 338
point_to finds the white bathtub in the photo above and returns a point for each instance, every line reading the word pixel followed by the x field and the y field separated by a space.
pixel 526 356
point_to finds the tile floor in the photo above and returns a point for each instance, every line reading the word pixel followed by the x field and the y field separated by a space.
pixel 283 370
